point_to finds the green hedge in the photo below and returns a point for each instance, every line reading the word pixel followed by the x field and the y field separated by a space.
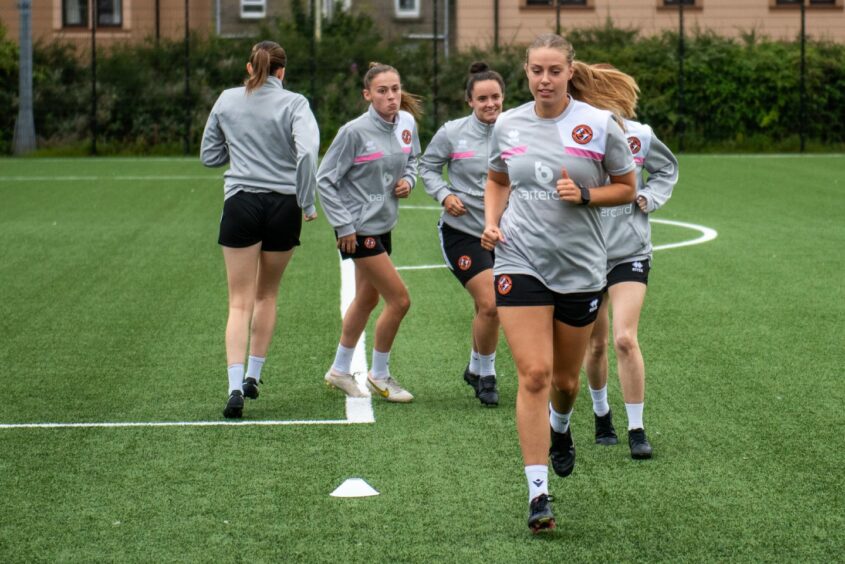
pixel 740 95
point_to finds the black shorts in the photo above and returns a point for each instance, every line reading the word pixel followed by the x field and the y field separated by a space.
pixel 272 219
pixel 369 246
pixel 577 310
pixel 463 253
pixel 636 271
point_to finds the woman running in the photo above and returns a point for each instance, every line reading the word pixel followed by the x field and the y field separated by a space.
pixel 629 255
pixel 462 145
pixel 550 160
pixel 270 140
pixel 370 165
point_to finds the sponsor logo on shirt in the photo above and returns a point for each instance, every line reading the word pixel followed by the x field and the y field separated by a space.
pixel 513 137
pixel 387 179
pixel 637 266
pixel 582 134
pixel 538 195
pixel 543 173
pixel 378 197
pixel 370 242
pixel 618 211
pixel 634 144
pixel 504 284
pixel 406 136
pixel 465 262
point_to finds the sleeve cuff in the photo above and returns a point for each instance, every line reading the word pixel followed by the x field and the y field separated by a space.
pixel 442 194
pixel 412 181
pixel 309 210
pixel 345 230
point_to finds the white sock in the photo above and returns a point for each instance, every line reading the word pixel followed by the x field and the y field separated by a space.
pixel 254 366
pixel 343 360
pixel 538 480
pixel 635 415
pixel 236 377
pixel 488 364
pixel 381 360
pixel 600 405
pixel 559 421
pixel 474 362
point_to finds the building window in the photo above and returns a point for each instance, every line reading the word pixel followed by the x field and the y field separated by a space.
pixel 407 8
pixel 253 9
pixel 678 2
pixel 563 3
pixel 75 13
pixel 808 3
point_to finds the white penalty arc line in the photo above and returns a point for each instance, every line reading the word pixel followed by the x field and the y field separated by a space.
pixel 707 234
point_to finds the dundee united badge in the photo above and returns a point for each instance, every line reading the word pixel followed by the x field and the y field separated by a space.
pixel 370 243
pixel 634 144
pixel 582 134
pixel 504 284
pixel 465 262
pixel 406 137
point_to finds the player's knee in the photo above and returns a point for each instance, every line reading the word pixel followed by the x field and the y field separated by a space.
pixel 487 312
pixel 625 344
pixel 535 378
pixel 597 349
pixel 400 304
pixel 567 383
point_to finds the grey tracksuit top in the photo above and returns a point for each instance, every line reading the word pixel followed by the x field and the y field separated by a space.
pixel 626 228
pixel 359 172
pixel 463 145
pixel 559 243
pixel 270 140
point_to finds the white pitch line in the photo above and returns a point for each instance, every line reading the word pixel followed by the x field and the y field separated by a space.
pixel 707 234
pixel 172 424
pixel 358 410
pixel 99 178
pixel 421 267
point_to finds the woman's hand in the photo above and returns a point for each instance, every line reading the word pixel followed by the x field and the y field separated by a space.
pixel 347 243
pixel 311 217
pixel 567 189
pixel 643 203
pixel 402 189
pixel 491 237
pixel 454 206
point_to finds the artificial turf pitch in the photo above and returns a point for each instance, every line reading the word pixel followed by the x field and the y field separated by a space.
pixel 112 309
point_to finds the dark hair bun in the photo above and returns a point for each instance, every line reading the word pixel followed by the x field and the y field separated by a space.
pixel 478 66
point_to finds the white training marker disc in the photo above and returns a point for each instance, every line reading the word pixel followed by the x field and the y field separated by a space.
pixel 354 487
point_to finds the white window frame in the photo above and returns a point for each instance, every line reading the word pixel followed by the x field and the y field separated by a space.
pixel 406 13
pixel 253 15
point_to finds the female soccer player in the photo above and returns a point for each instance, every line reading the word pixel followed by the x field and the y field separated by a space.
pixel 270 139
pixel 549 164
pixel 370 165
pixel 629 254
pixel 462 145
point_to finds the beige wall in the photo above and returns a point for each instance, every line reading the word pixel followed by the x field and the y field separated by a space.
pixel 138 21
pixel 520 24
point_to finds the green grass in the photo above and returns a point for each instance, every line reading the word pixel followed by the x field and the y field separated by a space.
pixel 112 308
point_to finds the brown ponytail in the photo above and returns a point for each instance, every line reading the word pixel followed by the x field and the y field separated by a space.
pixel 266 58
pixel 605 87
pixel 408 102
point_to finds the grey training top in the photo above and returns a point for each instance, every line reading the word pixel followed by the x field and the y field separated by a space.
pixel 269 137
pixel 559 243
pixel 359 172
pixel 463 145
pixel 626 228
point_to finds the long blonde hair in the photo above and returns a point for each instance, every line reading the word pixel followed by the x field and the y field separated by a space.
pixel 605 87
pixel 266 58
pixel 408 102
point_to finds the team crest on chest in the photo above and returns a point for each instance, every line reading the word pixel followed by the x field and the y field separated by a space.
pixel 465 262
pixel 634 144
pixel 504 284
pixel 406 136
pixel 582 134
pixel 370 243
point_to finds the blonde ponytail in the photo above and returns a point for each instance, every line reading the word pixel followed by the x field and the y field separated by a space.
pixel 605 87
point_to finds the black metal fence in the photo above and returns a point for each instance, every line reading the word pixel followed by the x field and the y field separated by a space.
pixel 154 96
